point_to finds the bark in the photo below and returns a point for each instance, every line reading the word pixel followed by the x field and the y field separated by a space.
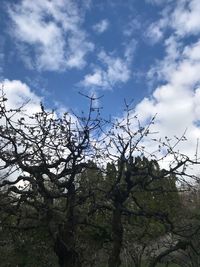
pixel 180 245
pixel 67 256
pixel 117 232
pixel 65 242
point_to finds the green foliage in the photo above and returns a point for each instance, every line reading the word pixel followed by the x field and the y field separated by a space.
pixel 30 248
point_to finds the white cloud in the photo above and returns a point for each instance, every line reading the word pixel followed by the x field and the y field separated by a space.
pixel 161 70
pixel 177 102
pixel 2 55
pixel 18 94
pixel 133 26
pixel 95 79
pixel 53 30
pixel 1 62
pixel 102 26
pixel 115 70
pixel 182 17
pixel 154 31
pixel 192 52
pixel 186 19
pixel 158 2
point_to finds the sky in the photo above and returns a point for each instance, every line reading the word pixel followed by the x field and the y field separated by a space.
pixel 147 51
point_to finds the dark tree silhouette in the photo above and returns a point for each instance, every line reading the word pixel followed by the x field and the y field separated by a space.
pixel 46 178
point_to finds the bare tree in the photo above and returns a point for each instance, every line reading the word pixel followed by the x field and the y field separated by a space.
pixel 139 185
pixel 40 159
pixel 43 159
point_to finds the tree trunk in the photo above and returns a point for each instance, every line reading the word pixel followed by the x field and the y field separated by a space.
pixel 65 241
pixel 117 234
pixel 67 257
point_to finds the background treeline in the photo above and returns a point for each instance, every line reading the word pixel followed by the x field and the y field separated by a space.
pixel 151 226
pixel 83 191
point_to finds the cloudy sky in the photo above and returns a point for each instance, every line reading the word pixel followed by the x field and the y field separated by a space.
pixel 145 50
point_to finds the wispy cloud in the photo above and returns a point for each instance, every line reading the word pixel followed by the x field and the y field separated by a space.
pixel 181 16
pixel 1 62
pixel 111 71
pixel 2 56
pixel 52 29
pixel 158 2
pixel 114 70
pixel 101 26
pixel 155 31
pixel 132 26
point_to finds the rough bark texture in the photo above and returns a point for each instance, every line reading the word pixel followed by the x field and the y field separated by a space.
pixel 67 257
pixel 117 229
pixel 65 242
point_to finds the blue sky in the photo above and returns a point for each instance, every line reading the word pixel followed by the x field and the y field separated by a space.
pixel 105 50
pixel 145 50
